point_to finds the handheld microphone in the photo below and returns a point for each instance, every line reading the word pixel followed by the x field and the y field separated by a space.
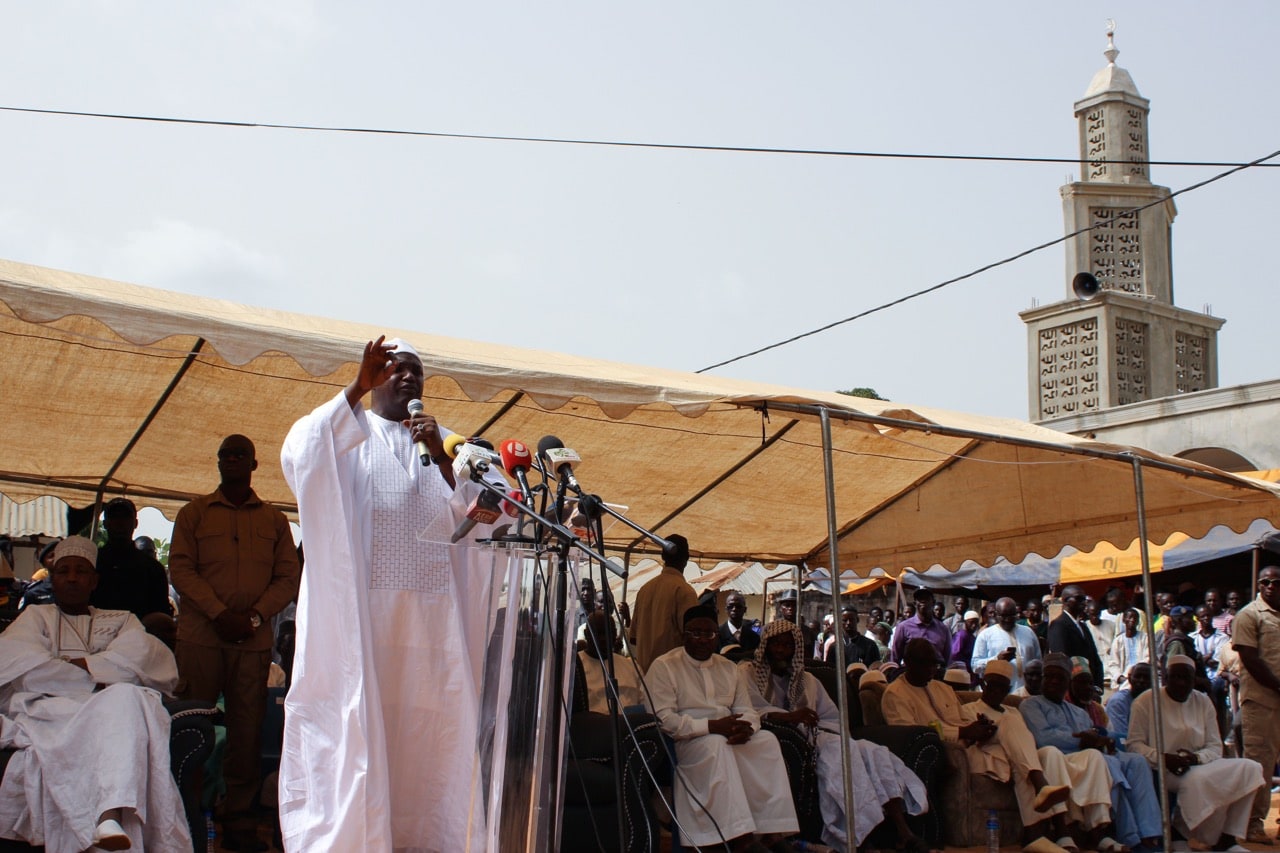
pixel 415 408
pixel 483 510
pixel 560 459
pixel 516 460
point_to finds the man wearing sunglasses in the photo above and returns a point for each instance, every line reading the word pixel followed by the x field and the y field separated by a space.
pixel 1256 638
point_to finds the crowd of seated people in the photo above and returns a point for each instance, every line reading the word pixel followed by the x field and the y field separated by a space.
pixel 1042 695
pixel 1052 698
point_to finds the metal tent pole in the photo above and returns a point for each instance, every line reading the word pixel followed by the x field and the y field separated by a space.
pixel 1157 703
pixel 833 569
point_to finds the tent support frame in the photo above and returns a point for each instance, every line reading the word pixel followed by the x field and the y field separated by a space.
pixel 1158 699
pixel 842 680
pixel 142 429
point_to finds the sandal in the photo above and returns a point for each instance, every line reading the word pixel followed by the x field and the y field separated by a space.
pixel 1110 845
pixel 1068 843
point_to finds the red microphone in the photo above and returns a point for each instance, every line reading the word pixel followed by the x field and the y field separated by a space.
pixel 483 510
pixel 509 505
pixel 516 460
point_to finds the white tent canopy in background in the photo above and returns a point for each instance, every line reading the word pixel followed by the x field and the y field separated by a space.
pixel 125 389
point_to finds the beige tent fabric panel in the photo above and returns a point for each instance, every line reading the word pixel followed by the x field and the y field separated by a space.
pixel 241 334
pixel 1010 501
pixel 715 459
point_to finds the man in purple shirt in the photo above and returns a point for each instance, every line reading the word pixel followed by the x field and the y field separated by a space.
pixel 922 624
pixel 963 638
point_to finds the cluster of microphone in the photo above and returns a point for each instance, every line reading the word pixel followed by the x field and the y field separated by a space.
pixel 475 458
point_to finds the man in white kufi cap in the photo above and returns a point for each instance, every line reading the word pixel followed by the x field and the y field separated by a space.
pixel 1215 794
pixel 80 694
pixel 381 718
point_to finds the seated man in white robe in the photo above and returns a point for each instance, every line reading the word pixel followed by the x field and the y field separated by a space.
pixel 1215 794
pixel 996 750
pixel 600 638
pixel 781 691
pixel 78 690
pixel 1087 811
pixel 731 781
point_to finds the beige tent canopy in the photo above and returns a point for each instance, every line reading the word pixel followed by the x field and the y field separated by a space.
pixel 114 388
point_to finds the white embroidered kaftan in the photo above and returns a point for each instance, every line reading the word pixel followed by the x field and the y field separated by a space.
pixel 380 721
pixel 1214 796
pixel 743 786
pixel 82 750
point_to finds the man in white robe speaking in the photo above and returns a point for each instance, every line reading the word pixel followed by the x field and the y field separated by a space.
pixel 731 781
pixel 1215 794
pixel 80 693
pixel 781 691
pixel 380 721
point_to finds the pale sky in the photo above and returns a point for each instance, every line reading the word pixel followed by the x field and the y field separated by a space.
pixel 671 258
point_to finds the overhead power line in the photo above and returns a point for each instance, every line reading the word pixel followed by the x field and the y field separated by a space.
pixel 1130 212
pixel 613 143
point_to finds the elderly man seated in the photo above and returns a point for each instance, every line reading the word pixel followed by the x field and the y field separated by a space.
pixel 1087 812
pixel 998 748
pixel 730 777
pixel 1055 721
pixel 781 691
pixel 79 693
pixel 1215 794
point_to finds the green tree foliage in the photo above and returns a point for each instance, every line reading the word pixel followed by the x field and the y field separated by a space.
pixel 869 393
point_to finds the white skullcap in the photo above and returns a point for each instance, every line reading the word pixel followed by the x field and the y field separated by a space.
pixel 874 676
pixel 856 665
pixel 959 677
pixel 728 647
pixel 399 345
pixel 971 614
pixel 996 666
pixel 76 546
pixel 1175 660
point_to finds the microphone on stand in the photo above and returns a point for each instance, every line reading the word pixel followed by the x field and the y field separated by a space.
pixel 560 460
pixel 483 510
pixel 516 460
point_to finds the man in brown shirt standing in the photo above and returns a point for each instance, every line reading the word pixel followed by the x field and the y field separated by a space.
pixel 233 561
pixel 658 625
pixel 1255 635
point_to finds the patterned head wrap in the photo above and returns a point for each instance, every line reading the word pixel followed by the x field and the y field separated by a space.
pixel 762 675
pixel 1080 666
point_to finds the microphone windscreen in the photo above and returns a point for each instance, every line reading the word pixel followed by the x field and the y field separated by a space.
pixel 547 442
pixel 515 455
pixel 415 407
pixel 451 444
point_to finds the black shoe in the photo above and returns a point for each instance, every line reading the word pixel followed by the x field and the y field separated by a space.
pixel 243 842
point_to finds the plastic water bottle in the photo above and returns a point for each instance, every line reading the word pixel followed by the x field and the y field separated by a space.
pixel 211 832
pixel 993 832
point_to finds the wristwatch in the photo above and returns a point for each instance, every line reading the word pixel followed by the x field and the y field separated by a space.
pixel 255 620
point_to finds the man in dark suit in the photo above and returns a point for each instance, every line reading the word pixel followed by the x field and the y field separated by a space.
pixel 1069 633
pixel 737 630
pixel 857 648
